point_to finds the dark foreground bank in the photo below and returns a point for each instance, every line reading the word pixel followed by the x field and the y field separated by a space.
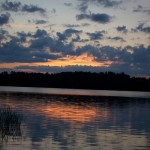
pixel 76 80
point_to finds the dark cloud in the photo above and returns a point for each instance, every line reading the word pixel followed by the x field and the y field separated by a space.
pixel 141 27
pixel 141 9
pixel 3 35
pixel 40 33
pixel 67 33
pixel 104 3
pixel 76 39
pixel 76 25
pixel 4 19
pixel 99 18
pixel 44 48
pixel 96 36
pixel 43 40
pixel 23 36
pixel 135 63
pixel 32 9
pixel 109 3
pixel 120 56
pixel 17 6
pixel 117 38
pixel 71 25
pixel 68 4
pixel 15 51
pixel 57 69
pixel 11 6
pixel 122 29
pixel 40 22
pixel 61 36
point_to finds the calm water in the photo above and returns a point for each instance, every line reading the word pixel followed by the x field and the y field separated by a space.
pixel 75 92
pixel 50 122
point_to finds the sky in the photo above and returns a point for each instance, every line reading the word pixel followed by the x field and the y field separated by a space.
pixel 75 35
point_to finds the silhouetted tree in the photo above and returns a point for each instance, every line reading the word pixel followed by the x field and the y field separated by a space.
pixel 80 80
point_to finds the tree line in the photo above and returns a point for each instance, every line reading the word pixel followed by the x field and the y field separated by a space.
pixel 77 80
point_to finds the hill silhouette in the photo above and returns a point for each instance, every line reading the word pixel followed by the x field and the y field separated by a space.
pixel 77 80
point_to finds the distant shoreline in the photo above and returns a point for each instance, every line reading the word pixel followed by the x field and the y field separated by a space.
pixel 76 80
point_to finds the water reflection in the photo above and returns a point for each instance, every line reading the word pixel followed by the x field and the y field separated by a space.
pixel 70 113
pixel 73 122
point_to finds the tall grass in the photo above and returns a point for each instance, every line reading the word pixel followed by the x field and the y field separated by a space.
pixel 10 123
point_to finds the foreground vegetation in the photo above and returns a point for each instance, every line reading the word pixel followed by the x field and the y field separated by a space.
pixel 10 123
pixel 79 80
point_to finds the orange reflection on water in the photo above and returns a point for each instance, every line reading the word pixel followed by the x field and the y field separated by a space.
pixel 74 113
pixel 70 113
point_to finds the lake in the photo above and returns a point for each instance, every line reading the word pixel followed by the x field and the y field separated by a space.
pixel 81 92
pixel 78 121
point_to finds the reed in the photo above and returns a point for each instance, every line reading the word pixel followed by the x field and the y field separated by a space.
pixel 10 123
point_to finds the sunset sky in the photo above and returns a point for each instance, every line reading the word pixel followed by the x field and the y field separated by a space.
pixel 75 35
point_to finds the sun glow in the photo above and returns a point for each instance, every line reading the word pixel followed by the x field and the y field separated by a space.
pixel 84 59
pixel 81 60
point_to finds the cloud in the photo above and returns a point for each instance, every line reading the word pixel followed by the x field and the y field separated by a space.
pixel 109 3
pixel 23 36
pixel 76 25
pixel 104 3
pixel 117 38
pixel 135 63
pixel 43 48
pixel 142 28
pixel 76 39
pixel 53 11
pixel 3 35
pixel 83 7
pixel 57 69
pixel 40 33
pixel 141 9
pixel 17 6
pixel 85 24
pixel 40 22
pixel 68 4
pixel 68 33
pixel 95 36
pixel 122 29
pixel 32 9
pixel 99 18
pixel 71 25
pixel 43 40
pixel 11 6
pixel 21 54
pixel 4 19
pixel 15 51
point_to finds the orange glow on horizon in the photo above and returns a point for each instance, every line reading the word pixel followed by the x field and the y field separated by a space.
pixel 82 60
